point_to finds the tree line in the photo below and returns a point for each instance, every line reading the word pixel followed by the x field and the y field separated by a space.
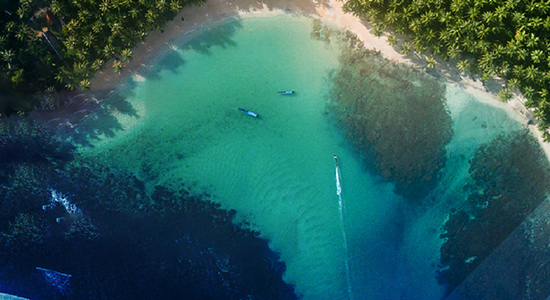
pixel 505 38
pixel 52 45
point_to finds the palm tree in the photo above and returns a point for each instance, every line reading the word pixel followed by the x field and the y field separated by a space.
pixel 150 16
pixel 543 93
pixel 70 42
pixel 134 12
pixel 521 54
pixel 529 92
pixel 391 17
pixel 486 60
pixel 161 5
pixel 56 8
pixel 419 45
pixel 531 72
pixel 108 51
pixel 23 32
pixel 415 26
pixel 532 41
pixel 503 69
pixel 60 77
pixel 537 56
pixel 512 83
pixel 117 66
pixel 463 65
pixel 392 40
pixel 7 55
pixel 97 64
pixel 377 30
pixel 518 71
pixel 104 6
pixel 126 55
pixel 453 52
pixel 84 83
pixel 505 95
pixel 89 39
pixel 501 12
pixel 116 28
pixel 406 48
pixel 431 62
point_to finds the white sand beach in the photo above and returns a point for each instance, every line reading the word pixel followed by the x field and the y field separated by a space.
pixel 193 18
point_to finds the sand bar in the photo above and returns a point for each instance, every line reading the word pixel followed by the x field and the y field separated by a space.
pixel 192 19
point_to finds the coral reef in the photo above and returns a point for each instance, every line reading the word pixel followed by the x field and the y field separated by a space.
pixel 395 115
pixel 510 178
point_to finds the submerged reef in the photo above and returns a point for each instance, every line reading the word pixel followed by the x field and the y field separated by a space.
pixel 518 268
pixel 121 238
pixel 23 140
pixel 396 116
pixel 510 177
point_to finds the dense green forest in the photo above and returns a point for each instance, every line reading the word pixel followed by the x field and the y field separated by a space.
pixel 52 45
pixel 505 38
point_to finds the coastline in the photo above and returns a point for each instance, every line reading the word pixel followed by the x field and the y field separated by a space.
pixel 192 20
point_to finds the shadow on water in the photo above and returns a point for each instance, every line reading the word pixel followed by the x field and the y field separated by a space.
pixel 83 118
pixel 202 40
pixel 218 36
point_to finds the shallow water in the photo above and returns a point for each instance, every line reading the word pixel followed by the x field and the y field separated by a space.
pixel 277 171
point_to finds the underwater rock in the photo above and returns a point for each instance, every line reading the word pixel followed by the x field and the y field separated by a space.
pixel 395 115
pixel 518 268
pixel 511 177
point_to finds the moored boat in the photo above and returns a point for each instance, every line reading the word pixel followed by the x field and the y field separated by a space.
pixel 248 112
pixel 285 92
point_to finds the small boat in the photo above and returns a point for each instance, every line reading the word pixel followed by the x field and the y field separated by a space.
pixel 338 186
pixel 250 113
pixel 285 92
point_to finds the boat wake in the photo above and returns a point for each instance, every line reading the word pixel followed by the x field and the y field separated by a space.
pixel 341 210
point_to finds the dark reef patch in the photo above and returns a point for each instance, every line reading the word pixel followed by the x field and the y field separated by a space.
pixel 395 115
pixel 518 269
pixel 510 178
pixel 119 241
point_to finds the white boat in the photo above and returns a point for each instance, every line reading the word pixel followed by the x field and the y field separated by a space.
pixel 248 112
pixel 338 186
pixel 285 92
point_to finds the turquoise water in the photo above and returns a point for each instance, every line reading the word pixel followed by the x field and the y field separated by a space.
pixel 277 171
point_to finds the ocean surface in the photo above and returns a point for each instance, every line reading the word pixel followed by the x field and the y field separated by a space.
pixel 277 171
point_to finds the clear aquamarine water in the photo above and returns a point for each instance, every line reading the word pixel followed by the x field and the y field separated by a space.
pixel 277 171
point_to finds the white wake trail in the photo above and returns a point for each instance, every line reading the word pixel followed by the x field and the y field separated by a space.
pixel 341 209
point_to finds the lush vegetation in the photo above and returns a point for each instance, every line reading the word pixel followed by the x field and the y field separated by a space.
pixel 59 44
pixel 505 38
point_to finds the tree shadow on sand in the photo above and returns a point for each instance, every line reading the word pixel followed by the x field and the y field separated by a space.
pixel 203 40
pixel 84 118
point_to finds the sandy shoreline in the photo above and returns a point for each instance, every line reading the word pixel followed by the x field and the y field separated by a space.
pixel 194 19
